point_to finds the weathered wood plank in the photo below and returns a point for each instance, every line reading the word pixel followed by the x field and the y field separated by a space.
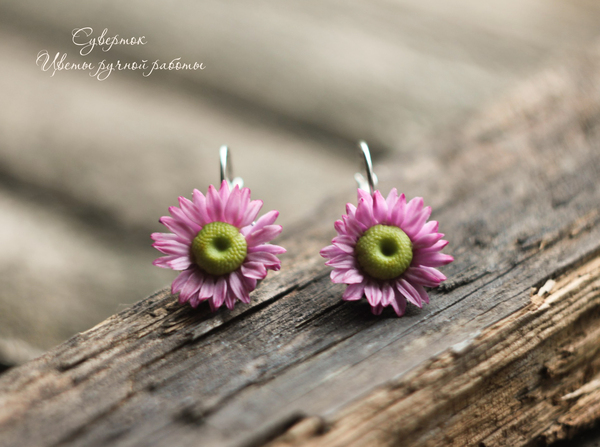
pixel 517 194
pixel 534 374
pixel 106 157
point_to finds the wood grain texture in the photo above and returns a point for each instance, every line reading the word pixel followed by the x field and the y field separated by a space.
pixel 532 375
pixel 89 166
pixel 516 191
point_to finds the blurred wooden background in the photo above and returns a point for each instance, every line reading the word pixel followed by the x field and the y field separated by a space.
pixel 88 167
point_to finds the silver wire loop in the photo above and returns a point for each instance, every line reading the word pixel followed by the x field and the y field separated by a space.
pixel 227 170
pixel 370 182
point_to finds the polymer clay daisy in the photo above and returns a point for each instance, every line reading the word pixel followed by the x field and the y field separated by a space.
pixel 387 251
pixel 220 252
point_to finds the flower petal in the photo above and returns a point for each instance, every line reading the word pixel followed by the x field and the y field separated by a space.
pixel 254 270
pixel 367 197
pixel 364 213
pixel 237 287
pixel 180 263
pixel 220 291
pixel 353 276
pixel 373 294
pixel 232 211
pixel 266 234
pixel 172 248
pixel 163 261
pixel 413 208
pixel 380 208
pixel 267 248
pixel 344 261
pixel 418 275
pixel 430 227
pixel 208 288
pixel 251 212
pixel 387 294
pixel 354 228
pixel 350 210
pixel 244 202
pixel 331 251
pixel 178 228
pixel 200 204
pixel 376 310
pixel 180 281
pixel 161 237
pixel 409 292
pixel 427 240
pixel 180 217
pixel 422 293
pixel 268 219
pixel 211 302
pixel 250 283
pixel 191 212
pixel 194 300
pixel 438 246
pixel 229 299
pixel 191 288
pixel 433 272
pixel 268 259
pixel 346 276
pixel 398 212
pixel 399 303
pixel 354 292
pixel 340 227
pixel 214 207
pixel 412 225
pixel 344 243
pixel 224 192
pixel 431 259
pixel 391 200
pixel 337 276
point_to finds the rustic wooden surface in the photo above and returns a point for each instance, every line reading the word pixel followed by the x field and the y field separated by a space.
pixel 589 438
pixel 87 167
pixel 505 354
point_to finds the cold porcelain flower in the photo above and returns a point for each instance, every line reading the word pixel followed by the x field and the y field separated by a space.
pixel 216 245
pixel 387 251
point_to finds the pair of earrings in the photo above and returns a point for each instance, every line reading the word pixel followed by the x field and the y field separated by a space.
pixel 385 250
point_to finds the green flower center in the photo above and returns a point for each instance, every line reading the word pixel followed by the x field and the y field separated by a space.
pixel 384 252
pixel 219 248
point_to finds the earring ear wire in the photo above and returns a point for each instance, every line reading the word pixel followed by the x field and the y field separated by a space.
pixel 227 169
pixel 368 184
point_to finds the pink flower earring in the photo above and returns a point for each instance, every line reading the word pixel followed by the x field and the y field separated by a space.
pixel 215 243
pixel 385 249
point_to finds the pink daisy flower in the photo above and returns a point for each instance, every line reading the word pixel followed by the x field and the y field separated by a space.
pixel 218 247
pixel 387 251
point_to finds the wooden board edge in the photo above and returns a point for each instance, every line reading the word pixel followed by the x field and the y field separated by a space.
pixel 530 379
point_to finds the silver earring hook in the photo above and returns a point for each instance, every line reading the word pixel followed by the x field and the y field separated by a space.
pixel 370 182
pixel 227 170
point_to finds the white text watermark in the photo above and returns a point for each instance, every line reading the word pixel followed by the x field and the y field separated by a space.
pixel 101 70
